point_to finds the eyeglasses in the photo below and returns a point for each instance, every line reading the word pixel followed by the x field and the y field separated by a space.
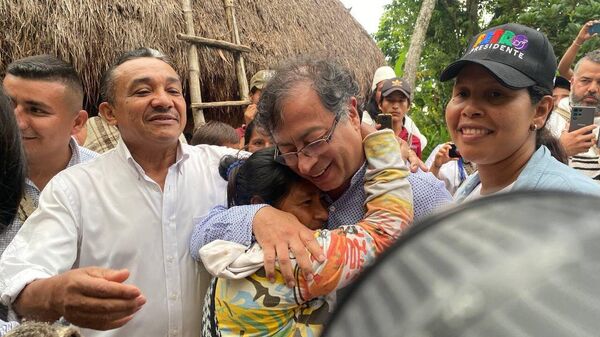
pixel 311 149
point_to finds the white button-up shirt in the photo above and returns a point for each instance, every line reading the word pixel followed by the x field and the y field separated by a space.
pixel 109 213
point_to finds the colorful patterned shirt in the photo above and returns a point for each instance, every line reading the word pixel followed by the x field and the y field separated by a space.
pixel 253 306
pixel 235 224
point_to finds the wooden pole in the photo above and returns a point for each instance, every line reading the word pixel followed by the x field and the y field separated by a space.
pixel 194 66
pixel 203 41
pixel 239 60
pixel 220 104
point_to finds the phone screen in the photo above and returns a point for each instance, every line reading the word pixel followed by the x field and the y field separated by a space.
pixel 594 29
pixel 385 120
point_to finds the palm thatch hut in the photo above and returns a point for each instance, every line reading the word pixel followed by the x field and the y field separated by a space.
pixel 91 33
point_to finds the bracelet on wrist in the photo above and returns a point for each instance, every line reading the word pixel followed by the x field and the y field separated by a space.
pixel 577 44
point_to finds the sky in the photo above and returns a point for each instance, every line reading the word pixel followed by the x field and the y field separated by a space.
pixel 367 12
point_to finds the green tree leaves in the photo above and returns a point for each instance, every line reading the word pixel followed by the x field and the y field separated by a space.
pixel 453 23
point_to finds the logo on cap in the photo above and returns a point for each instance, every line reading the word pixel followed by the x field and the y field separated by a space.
pixel 520 42
pixel 397 83
pixel 504 40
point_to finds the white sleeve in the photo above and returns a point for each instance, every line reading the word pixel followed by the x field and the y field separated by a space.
pixel 231 260
pixel 366 118
pixel 47 243
pixel 431 157
pixel 555 124
pixel 414 129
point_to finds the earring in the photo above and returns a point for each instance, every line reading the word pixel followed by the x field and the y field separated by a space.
pixel 533 127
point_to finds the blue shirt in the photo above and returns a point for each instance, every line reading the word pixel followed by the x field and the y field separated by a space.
pixel 542 172
pixel 235 224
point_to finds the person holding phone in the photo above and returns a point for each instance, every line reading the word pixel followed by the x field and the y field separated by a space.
pixel 369 115
pixel 394 103
pixel 447 164
pixel 589 30
pixel 501 98
pixel 575 121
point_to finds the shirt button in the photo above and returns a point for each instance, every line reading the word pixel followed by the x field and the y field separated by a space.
pixel 170 259
pixel 173 297
pixel 331 208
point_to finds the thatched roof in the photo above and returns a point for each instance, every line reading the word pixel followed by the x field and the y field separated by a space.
pixel 91 33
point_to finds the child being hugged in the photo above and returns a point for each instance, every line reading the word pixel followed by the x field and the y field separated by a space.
pixel 242 301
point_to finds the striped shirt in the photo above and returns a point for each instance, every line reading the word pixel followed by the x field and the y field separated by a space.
pixel 587 163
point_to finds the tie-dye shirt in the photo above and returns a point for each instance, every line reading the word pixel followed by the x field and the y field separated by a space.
pixel 253 306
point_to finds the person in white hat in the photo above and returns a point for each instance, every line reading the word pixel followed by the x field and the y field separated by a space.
pixel 372 108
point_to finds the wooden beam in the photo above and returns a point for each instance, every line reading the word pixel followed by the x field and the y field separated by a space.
pixel 194 66
pixel 219 104
pixel 240 68
pixel 214 43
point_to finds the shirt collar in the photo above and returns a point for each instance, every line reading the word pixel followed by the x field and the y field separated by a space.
pixel 183 153
pixel 355 182
pixel 75 155
pixel 75 159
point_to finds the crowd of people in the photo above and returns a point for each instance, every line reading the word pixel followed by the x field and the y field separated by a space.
pixel 114 225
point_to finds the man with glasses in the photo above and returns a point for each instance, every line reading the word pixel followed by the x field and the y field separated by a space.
pixel 310 109
pixel 312 149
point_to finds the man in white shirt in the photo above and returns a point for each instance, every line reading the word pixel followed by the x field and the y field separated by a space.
pixel 107 247
pixel 585 91
pixel 47 95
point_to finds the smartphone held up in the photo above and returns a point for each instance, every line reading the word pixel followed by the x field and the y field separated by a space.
pixel 385 120
pixel 581 116
pixel 594 29
pixel 453 152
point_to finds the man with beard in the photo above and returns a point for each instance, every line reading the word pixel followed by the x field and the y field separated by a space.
pixel 585 91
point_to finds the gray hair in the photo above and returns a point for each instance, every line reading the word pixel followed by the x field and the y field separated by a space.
pixel 593 56
pixel 107 90
pixel 334 85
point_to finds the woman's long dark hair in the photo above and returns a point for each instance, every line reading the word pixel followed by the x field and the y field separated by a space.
pixel 12 163
pixel 258 176
pixel 543 135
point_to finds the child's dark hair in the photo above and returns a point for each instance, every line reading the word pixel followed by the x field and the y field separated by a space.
pixel 257 176
pixel 215 133
pixel 248 132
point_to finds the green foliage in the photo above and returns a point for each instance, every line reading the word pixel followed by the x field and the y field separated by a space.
pixel 451 27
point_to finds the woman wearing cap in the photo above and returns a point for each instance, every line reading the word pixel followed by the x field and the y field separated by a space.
pixel 501 99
